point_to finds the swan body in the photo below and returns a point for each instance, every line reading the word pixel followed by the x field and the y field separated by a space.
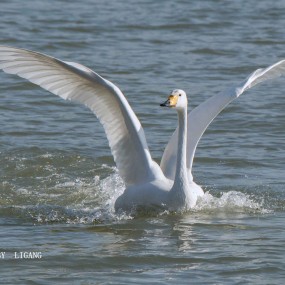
pixel 169 184
pixel 180 193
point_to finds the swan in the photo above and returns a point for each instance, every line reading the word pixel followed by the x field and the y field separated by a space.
pixel 169 185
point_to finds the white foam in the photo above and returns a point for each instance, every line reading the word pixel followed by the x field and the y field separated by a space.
pixel 231 202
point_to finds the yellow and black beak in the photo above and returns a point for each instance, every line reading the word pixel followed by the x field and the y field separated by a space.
pixel 170 102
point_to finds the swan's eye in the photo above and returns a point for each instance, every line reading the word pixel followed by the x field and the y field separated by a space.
pixel 180 95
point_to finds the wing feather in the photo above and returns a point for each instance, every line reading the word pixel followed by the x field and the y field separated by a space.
pixel 200 117
pixel 76 82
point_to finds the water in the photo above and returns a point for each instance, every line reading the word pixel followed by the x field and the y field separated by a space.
pixel 59 182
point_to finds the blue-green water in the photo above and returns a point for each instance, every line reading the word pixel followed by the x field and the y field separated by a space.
pixel 58 179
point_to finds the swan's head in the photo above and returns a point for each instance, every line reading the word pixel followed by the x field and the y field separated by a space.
pixel 177 99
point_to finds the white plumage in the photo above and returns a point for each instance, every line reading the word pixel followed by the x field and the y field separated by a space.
pixel 169 185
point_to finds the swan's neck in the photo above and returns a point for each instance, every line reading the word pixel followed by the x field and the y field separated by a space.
pixel 181 179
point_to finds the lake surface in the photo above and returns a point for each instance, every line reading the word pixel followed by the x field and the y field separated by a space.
pixel 58 179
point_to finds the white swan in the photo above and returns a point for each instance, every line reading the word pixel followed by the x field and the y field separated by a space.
pixel 171 184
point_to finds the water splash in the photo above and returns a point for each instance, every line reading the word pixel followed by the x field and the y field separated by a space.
pixel 230 202
pixel 63 188
pixel 87 210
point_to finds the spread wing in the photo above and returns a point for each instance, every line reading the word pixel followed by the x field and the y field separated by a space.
pixel 200 117
pixel 76 82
